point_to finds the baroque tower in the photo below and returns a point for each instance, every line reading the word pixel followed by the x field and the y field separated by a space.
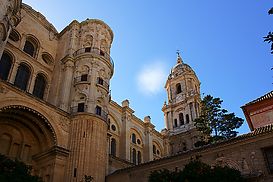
pixel 183 106
pixel 86 71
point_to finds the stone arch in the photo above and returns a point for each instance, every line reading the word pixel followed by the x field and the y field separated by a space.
pixel 88 41
pixel 224 161
pixel 6 64
pixel 138 133
pixel 114 120
pixel 26 70
pixel 14 35
pixel 38 120
pixel 29 66
pixel 104 46
pixel 47 58
pixel 158 146
pixel 36 43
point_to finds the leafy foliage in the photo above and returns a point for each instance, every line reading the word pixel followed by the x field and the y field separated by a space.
pixel 269 37
pixel 215 122
pixel 197 171
pixel 88 178
pixel 15 171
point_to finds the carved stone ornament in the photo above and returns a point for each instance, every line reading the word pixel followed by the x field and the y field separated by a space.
pixel 64 123
pixel 3 90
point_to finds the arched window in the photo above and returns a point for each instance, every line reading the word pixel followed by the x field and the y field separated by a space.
pixel 154 149
pixel 175 123
pixel 187 118
pixel 181 119
pixel 138 157
pixel 30 48
pixel 39 87
pixel 22 77
pixel 134 156
pixel 134 138
pixel 113 147
pixel 178 88
pixel 5 65
pixel 14 35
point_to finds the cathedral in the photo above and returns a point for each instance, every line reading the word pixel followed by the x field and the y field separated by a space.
pixel 57 115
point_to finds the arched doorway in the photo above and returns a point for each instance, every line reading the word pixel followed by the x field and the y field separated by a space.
pixel 28 136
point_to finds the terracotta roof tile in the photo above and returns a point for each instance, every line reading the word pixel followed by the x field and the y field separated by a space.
pixel 269 95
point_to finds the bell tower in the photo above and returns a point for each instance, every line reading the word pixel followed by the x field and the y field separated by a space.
pixel 182 106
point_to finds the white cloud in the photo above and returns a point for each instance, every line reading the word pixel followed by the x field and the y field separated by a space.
pixel 151 78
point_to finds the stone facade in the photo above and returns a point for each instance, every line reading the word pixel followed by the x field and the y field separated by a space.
pixel 56 112
pixel 57 115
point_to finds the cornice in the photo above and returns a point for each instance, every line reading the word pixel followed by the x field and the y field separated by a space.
pixel 96 21
pixel 41 18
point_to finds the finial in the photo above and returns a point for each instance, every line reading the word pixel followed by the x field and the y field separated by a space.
pixel 178 53
pixel 179 59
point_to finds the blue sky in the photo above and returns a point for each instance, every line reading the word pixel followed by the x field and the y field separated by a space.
pixel 221 40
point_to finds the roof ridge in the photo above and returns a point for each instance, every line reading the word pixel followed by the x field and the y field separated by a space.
pixel 268 95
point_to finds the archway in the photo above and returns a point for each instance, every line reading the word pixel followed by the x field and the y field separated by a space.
pixel 28 136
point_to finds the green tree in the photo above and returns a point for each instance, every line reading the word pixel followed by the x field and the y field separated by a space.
pixel 15 171
pixel 269 37
pixel 214 122
pixel 197 171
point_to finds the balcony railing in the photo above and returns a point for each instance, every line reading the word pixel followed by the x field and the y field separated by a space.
pixel 82 79
pixel 103 83
pixel 76 109
pixel 101 114
pixel 94 50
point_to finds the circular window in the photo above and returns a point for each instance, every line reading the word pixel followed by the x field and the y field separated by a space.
pixel 113 127
pixel 47 58
pixel 138 141
pixel 14 35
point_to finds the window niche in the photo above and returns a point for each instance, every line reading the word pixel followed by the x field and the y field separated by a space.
pixel 80 107
pixel 178 88
pixel 175 123
pixel 268 154
pixel 113 147
pixel 84 77
pixel 40 86
pixel 134 138
pixel 22 77
pixel 5 66
pixel 30 47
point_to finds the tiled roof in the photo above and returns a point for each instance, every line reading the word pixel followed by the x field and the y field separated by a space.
pixel 269 95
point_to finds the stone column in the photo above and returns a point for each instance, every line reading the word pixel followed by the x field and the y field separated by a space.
pixel 8 20
pixel 73 38
pixel 166 120
pixel 13 72
pixel 32 82
pixel 67 83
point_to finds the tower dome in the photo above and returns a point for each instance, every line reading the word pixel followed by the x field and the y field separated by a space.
pixel 180 68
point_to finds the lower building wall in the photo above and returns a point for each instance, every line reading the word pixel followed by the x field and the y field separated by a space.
pixel 88 146
pixel 245 155
pixel 116 164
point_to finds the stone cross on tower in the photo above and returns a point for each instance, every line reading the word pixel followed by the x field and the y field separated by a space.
pixel 179 59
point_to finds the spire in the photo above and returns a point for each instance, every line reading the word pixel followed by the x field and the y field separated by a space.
pixel 179 59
